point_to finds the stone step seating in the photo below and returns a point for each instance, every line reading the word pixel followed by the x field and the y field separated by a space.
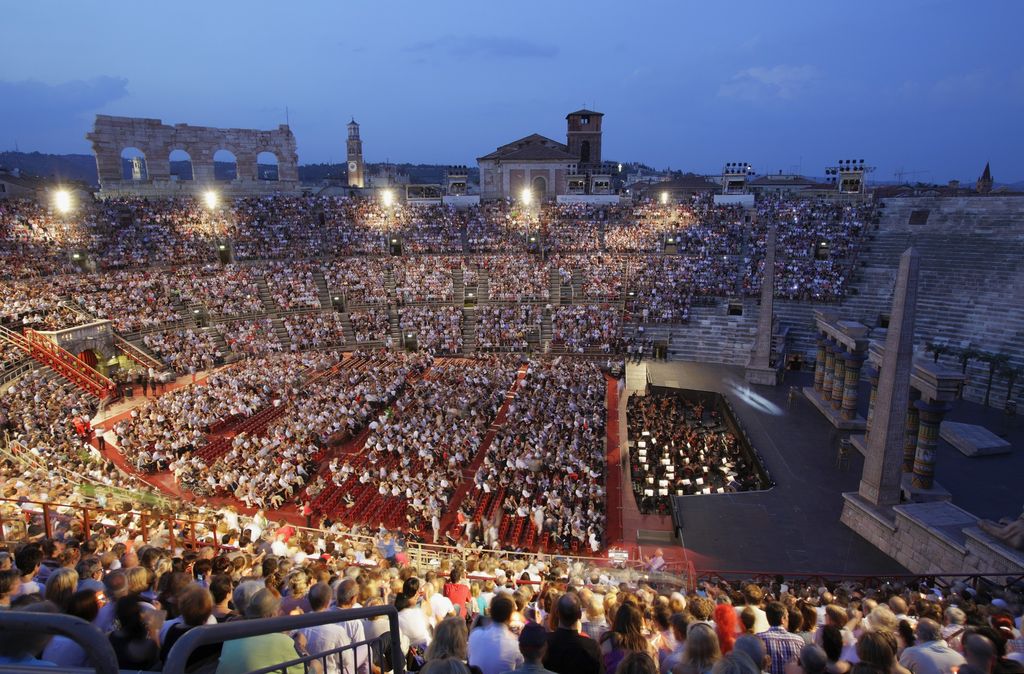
pixel 483 286
pixel 711 336
pixel 982 214
pixel 469 330
pixel 555 286
pixel 458 287
pixel 323 291
pixel 269 305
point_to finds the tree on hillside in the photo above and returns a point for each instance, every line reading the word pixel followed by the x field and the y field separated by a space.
pixel 1011 374
pixel 938 349
pixel 995 362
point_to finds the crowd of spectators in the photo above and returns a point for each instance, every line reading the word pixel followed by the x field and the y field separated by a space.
pixel 563 616
pixel 515 278
pixel 425 279
pixel 186 350
pixel 438 328
pixel 251 337
pixel 581 327
pixel 231 290
pixel 548 459
pixel 316 330
pixel 508 328
pixel 370 325
pixel 157 432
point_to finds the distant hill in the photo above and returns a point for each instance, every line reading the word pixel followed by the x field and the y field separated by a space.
pixel 68 166
pixel 83 167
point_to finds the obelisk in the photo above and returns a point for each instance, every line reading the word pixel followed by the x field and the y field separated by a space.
pixel 880 481
pixel 759 367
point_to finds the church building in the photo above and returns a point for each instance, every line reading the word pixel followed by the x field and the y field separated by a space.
pixel 546 168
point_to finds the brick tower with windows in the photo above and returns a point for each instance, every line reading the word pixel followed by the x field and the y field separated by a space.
pixel 583 138
pixel 355 156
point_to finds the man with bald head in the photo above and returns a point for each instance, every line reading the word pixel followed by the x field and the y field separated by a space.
pixel 568 652
pixel 931 654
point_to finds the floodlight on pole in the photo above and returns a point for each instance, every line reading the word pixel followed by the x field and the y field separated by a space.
pixel 387 197
pixel 527 196
pixel 62 201
pixel 664 197
pixel 211 199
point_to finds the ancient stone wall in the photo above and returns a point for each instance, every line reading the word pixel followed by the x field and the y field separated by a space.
pixel 156 140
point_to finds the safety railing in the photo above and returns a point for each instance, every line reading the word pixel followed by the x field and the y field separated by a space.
pixel 49 353
pixel 95 644
pixel 136 354
pixel 373 650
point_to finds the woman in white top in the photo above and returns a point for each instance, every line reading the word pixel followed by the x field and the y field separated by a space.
pixel 412 619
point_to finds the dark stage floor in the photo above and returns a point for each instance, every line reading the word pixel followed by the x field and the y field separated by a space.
pixel 795 525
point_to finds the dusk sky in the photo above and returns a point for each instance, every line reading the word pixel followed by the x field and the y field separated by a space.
pixel 926 85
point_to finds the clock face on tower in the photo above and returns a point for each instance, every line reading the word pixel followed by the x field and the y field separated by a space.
pixel 351 166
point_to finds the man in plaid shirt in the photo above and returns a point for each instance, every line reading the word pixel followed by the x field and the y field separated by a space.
pixel 782 646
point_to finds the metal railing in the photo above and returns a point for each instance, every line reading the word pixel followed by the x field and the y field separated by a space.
pixel 372 649
pixel 95 644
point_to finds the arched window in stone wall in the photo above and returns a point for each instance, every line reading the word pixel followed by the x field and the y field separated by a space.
pixel 181 165
pixel 266 166
pixel 133 164
pixel 225 165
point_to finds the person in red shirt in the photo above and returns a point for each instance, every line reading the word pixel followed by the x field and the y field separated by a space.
pixel 457 592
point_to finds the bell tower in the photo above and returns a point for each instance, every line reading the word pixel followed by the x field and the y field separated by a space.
pixel 355 156
pixel 583 138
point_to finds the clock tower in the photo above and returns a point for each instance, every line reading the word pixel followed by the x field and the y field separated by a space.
pixel 355 156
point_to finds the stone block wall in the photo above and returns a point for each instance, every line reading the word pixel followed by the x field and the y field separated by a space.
pixel 156 140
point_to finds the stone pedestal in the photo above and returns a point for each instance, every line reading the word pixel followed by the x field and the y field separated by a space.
pixel 973 440
pixel 913 493
pixel 768 376
pixel 834 416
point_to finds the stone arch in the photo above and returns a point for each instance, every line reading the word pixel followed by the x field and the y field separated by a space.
pixel 267 166
pixel 180 170
pixel 133 164
pixel 539 187
pixel 228 169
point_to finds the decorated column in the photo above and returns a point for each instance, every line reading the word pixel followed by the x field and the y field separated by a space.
pixel 830 365
pixel 913 426
pixel 819 363
pixel 931 413
pixel 853 365
pixel 839 376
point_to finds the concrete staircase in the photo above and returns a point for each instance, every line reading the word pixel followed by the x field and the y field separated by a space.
pixel 713 337
pixel 458 287
pixel 554 286
pixel 269 305
pixel 469 330
pixel 323 292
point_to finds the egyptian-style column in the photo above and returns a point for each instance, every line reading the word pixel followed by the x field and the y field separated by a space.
pixel 853 365
pixel 880 481
pixel 763 349
pixel 927 439
pixel 830 366
pixel 873 378
pixel 913 424
pixel 839 376
pixel 819 363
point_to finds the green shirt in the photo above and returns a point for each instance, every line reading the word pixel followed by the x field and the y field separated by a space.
pixel 244 655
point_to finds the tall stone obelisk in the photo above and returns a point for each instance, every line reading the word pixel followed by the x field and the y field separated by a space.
pixel 759 367
pixel 880 481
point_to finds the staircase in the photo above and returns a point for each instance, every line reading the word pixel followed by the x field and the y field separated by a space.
pixel 458 287
pixel 713 337
pixel 65 364
pixel 282 333
pixel 269 305
pixel 346 325
pixel 396 331
pixel 483 285
pixel 554 286
pixel 545 333
pixel 323 291
pixel 469 330
pixel 139 353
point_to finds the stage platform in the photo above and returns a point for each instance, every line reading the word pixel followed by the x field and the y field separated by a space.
pixel 795 525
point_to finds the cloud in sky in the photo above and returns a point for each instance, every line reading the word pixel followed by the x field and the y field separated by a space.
pixel 42 112
pixel 489 46
pixel 762 83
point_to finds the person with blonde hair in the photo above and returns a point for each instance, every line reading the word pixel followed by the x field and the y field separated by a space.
pixel 60 586
pixel 702 650
pixel 450 640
